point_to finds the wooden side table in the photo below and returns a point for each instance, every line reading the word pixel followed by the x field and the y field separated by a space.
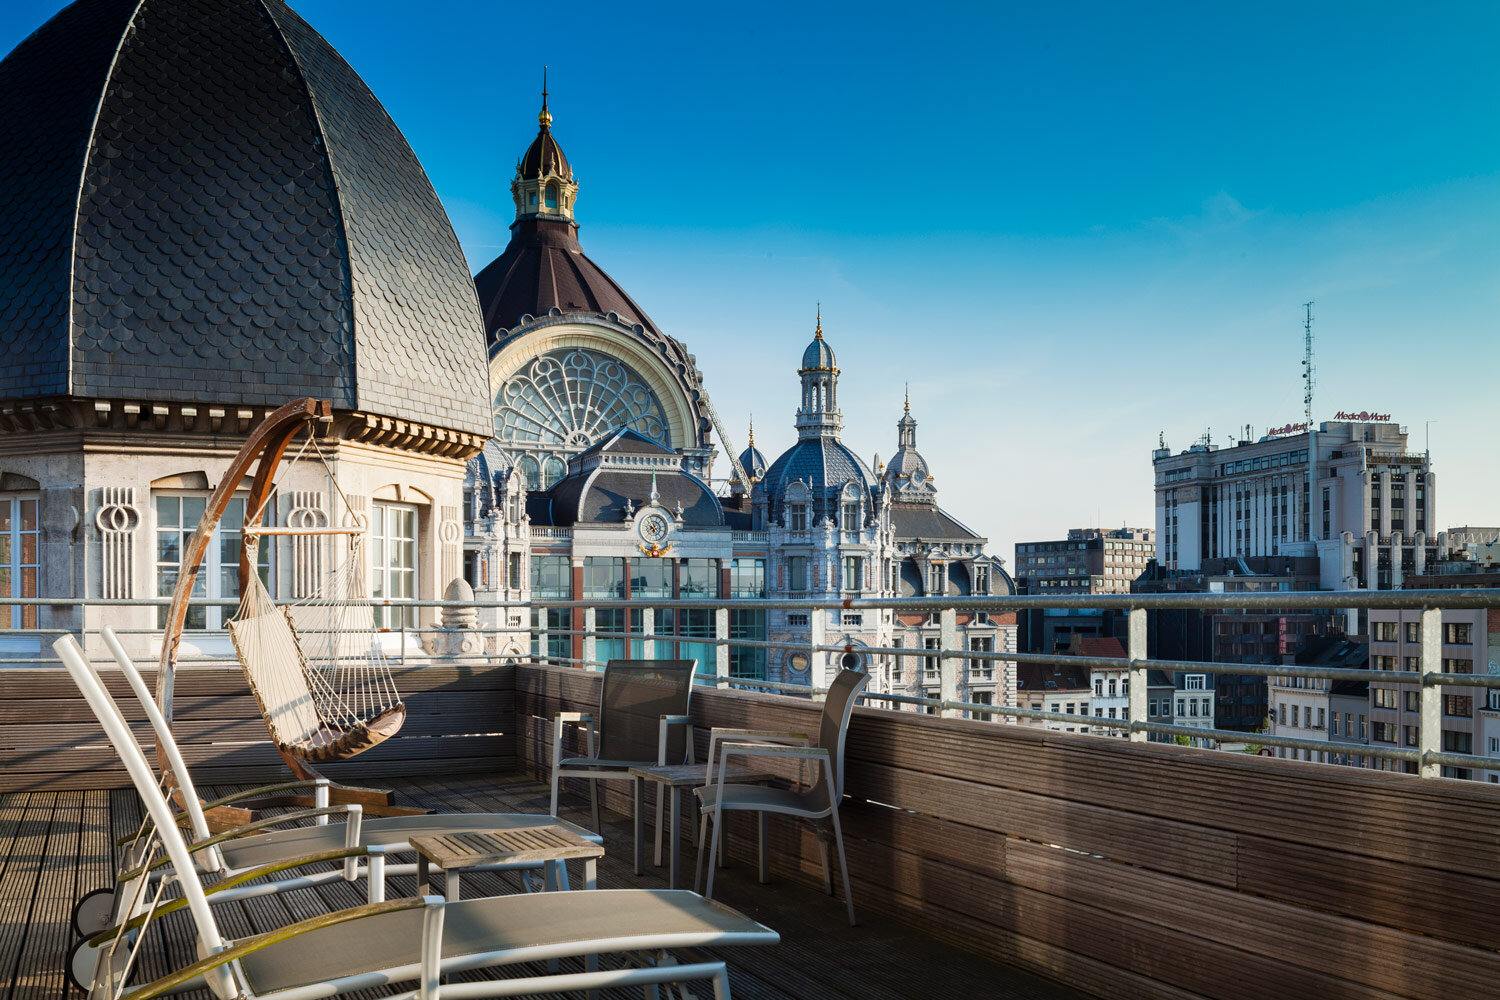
pixel 545 845
pixel 674 778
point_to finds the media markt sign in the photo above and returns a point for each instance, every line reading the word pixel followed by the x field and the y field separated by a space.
pixel 1378 418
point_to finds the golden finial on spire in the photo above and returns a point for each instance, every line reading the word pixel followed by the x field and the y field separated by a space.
pixel 818 333
pixel 908 397
pixel 545 118
pixel 752 430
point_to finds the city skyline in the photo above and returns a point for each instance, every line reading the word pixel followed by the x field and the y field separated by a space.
pixel 1064 253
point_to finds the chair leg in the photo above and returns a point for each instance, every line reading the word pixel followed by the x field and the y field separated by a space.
pixel 661 794
pixel 594 804
pixel 838 839
pixel 556 781
pixel 823 857
pixel 763 867
pixel 716 822
pixel 702 837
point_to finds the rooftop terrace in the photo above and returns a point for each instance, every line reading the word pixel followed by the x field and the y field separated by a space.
pixel 982 854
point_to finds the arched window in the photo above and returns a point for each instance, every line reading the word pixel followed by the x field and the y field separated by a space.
pixel 552 471
pixel 532 471
pixel 552 196
pixel 568 399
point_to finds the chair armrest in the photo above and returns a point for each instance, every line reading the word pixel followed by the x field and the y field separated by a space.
pixel 276 867
pixel 283 786
pixel 251 945
pixel 661 737
pixel 769 736
pixel 559 719
pixel 320 785
pixel 728 750
pixel 244 831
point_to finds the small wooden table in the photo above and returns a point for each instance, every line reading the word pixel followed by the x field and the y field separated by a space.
pixel 675 778
pixel 545 845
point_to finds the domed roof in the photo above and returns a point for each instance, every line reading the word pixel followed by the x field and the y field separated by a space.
pixel 753 462
pixel 818 356
pixel 544 156
pixel 201 201
pixel 824 464
pixel 543 268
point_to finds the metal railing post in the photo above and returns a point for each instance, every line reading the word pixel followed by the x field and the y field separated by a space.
pixel 721 650
pixel 1135 705
pixel 816 618
pixel 1430 736
pixel 948 666
pixel 648 629
pixel 590 643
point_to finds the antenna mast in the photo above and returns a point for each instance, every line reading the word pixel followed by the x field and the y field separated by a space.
pixel 1309 373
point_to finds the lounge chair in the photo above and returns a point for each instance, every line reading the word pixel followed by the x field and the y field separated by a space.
pixel 420 939
pixel 234 852
pixel 818 802
pixel 642 722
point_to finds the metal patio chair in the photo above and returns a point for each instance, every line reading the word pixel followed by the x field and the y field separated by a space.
pixel 642 722
pixel 816 802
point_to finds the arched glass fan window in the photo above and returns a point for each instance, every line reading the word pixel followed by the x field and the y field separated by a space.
pixel 567 400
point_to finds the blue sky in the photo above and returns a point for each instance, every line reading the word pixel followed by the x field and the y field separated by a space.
pixel 1070 226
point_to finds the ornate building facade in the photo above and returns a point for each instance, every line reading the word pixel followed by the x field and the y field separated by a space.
pixel 596 486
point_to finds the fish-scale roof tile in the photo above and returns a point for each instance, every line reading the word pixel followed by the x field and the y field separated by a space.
pixel 242 210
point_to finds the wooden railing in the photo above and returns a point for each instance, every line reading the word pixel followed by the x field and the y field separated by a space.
pixel 459 719
pixel 1132 870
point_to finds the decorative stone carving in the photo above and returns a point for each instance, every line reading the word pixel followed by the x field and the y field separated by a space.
pixel 307 550
pixel 117 519
pixel 460 625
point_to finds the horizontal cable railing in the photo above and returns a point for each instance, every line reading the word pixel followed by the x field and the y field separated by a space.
pixel 942 614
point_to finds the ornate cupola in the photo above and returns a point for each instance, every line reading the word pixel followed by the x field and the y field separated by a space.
pixel 544 187
pixel 908 474
pixel 818 416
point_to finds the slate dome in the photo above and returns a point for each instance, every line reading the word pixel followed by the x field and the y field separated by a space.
pixel 818 356
pixel 201 201
pixel 824 464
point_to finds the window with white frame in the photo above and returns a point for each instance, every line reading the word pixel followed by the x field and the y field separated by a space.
pixel 854 572
pixel 19 564
pixel 930 663
pixel 796 517
pixel 393 562
pixel 851 516
pixel 981 579
pixel 982 669
pixel 796 571
pixel 1194 682
pixel 177 517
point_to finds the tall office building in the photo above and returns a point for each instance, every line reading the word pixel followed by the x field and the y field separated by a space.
pixel 1348 492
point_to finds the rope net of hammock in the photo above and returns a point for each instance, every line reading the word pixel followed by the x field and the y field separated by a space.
pixel 317 666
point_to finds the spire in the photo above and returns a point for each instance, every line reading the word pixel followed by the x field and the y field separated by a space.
pixel 818 333
pixel 545 118
pixel 908 397
pixel 752 430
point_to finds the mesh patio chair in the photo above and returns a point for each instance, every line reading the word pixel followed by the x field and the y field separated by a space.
pixel 642 722
pixel 816 802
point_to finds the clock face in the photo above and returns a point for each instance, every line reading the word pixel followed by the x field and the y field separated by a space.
pixel 798 662
pixel 654 527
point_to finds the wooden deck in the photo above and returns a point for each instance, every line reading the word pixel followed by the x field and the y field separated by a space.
pixel 54 846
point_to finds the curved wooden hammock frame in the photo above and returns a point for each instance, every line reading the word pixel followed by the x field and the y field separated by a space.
pixel 267 445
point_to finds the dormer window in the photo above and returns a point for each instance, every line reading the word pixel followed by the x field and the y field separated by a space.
pixel 851 517
pixel 552 197
pixel 796 517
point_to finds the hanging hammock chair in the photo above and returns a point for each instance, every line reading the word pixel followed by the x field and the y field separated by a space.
pixel 316 666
